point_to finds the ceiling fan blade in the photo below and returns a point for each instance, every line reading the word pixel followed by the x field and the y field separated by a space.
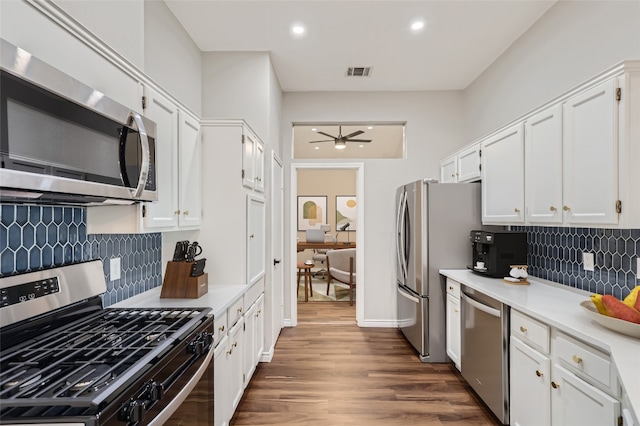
pixel 356 133
pixel 359 140
pixel 328 135
pixel 327 140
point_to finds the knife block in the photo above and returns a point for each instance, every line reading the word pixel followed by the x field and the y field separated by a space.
pixel 179 284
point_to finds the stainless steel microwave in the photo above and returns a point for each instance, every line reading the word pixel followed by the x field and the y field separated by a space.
pixel 62 142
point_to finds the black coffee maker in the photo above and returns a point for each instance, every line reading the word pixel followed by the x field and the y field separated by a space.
pixel 495 252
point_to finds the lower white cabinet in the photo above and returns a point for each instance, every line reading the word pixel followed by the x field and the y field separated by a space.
pixel 235 365
pixel 453 322
pixel 529 375
pixel 573 385
pixel 220 368
pixel 254 337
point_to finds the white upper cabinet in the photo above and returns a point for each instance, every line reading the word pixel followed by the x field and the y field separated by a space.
pixel 252 162
pixel 448 170
pixel 164 212
pixel 464 166
pixel 503 176
pixel 468 160
pixel 543 166
pixel 178 165
pixel 190 172
pixel 590 151
pixel 256 238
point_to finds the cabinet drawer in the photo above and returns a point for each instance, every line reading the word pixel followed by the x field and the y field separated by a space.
pixel 587 362
pixel 530 331
pixel 453 288
pixel 253 293
pixel 235 311
pixel 220 327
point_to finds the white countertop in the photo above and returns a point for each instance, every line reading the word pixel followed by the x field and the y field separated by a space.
pixel 219 297
pixel 559 307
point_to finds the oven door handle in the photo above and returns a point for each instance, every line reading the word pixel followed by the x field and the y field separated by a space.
pixel 171 407
pixel 480 306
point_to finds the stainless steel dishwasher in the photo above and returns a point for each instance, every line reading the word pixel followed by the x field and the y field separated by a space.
pixel 485 349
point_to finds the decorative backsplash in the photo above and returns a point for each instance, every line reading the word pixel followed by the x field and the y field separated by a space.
pixel 555 254
pixel 41 237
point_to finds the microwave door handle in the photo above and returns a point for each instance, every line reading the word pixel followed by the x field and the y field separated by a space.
pixel 134 117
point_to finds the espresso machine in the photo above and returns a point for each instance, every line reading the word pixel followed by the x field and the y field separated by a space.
pixel 495 251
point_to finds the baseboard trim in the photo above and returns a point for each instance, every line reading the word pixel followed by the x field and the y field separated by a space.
pixel 378 323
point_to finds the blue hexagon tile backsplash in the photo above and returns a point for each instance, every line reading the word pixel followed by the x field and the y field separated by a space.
pixel 555 254
pixel 41 237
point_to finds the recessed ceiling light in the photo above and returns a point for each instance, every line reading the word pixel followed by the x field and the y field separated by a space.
pixel 417 25
pixel 298 29
pixel 317 147
pixel 314 129
pixel 370 127
pixel 360 146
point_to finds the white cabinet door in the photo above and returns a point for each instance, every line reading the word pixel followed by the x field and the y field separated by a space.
pixel 468 161
pixel 591 156
pixel 249 342
pixel 543 170
pixel 259 166
pixel 448 171
pixel 259 347
pixel 249 143
pixel 256 243
pixel 164 212
pixel 574 402
pixel 453 329
pixel 221 402
pixel 235 364
pixel 503 177
pixel 190 172
pixel 529 382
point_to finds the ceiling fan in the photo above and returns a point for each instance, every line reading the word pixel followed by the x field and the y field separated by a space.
pixel 340 141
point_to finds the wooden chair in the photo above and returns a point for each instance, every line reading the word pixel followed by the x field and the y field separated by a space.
pixel 341 266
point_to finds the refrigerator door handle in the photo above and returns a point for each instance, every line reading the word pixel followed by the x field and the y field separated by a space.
pixel 400 235
pixel 408 296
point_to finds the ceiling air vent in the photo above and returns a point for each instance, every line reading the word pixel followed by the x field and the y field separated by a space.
pixel 358 71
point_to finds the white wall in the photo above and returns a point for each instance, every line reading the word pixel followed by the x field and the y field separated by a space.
pixel 171 58
pixel 434 128
pixel 572 42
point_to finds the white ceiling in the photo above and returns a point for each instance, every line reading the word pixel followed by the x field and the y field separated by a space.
pixel 459 41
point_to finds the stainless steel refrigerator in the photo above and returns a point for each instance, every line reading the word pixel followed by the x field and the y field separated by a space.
pixel 432 233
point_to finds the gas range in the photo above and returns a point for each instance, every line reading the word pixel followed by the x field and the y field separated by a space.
pixel 69 360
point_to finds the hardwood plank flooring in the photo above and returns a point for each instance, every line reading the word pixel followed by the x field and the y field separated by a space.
pixel 327 371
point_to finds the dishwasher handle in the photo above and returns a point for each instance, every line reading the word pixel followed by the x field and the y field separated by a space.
pixel 480 306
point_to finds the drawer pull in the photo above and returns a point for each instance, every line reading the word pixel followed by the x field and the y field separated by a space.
pixel 186 213
pixel 239 310
pixel 566 208
pixel 235 344
pixel 221 328
pixel 516 210
pixel 451 288
pixel 539 373
pixel 523 329
pixel 176 212
pixel 552 208
pixel 555 385
pixel 455 310
pixel 577 359
pixel 230 351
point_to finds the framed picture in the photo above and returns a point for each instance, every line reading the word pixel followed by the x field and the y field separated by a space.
pixel 312 211
pixel 346 212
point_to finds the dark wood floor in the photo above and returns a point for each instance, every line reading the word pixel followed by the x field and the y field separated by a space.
pixel 327 371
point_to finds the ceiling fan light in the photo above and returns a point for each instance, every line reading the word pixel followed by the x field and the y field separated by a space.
pixel 340 145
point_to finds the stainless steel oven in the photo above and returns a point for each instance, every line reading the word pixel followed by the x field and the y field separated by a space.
pixel 64 142
pixel 66 360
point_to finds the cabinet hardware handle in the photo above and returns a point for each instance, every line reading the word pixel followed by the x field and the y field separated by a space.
pixel 450 288
pixel 239 310
pixel 577 359
pixel 251 236
pixel 186 212
pixel 523 329
pixel 177 212
pixel 566 208
pixel 555 385
pixel 455 311
pixel 453 175
pixel 539 373
pixel 235 344
pixel 230 351
pixel 552 208
pixel 221 328
pixel 517 210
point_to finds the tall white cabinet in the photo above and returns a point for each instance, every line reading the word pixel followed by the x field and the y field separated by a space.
pixel 234 233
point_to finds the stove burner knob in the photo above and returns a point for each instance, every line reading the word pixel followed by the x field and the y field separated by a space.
pixel 200 344
pixel 132 411
pixel 153 391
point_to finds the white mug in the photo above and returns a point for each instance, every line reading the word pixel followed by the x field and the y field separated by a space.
pixel 480 265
